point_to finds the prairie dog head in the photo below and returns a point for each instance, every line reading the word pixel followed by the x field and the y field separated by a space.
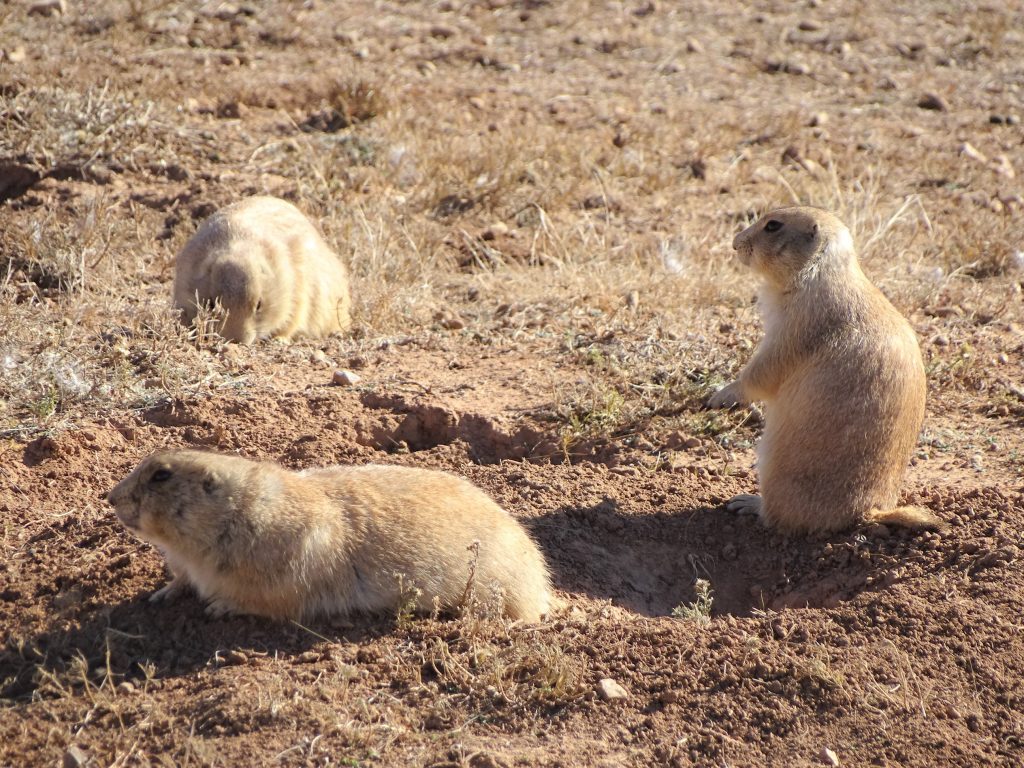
pixel 242 291
pixel 177 499
pixel 240 287
pixel 789 242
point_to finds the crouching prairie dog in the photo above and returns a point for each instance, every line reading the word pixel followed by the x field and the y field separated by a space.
pixel 252 537
pixel 268 268
pixel 840 373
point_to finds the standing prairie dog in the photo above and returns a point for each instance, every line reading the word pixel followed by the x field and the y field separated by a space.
pixel 841 377
pixel 269 269
pixel 253 537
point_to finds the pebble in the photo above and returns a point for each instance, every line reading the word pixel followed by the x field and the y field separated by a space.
pixel 1003 167
pixel 125 688
pixel 16 55
pixel 345 378
pixel 933 102
pixel 450 321
pixel 497 229
pixel 969 150
pixel 828 757
pixel 75 757
pixel 48 8
pixel 233 658
pixel 609 690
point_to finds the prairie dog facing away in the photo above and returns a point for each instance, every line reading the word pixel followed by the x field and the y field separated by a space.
pixel 270 270
pixel 841 377
pixel 253 537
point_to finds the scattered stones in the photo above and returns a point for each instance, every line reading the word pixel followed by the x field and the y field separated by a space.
pixel 1004 119
pixel 345 378
pixel 609 690
pixel 933 102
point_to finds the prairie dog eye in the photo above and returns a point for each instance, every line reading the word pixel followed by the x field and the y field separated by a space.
pixel 772 225
pixel 160 476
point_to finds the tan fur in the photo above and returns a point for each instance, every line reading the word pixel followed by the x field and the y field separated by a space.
pixel 253 537
pixel 841 377
pixel 269 269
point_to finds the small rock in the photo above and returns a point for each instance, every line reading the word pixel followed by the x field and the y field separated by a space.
pixel 818 119
pixel 497 229
pixel 939 340
pixel 15 55
pixel 671 697
pixel 609 690
pixel 48 8
pixel 125 688
pixel 317 356
pixel 693 45
pixel 933 102
pixel 307 657
pixel 450 321
pixel 828 757
pixel 233 658
pixel 1003 167
pixel 345 378
pixel 809 25
pixel 75 757
pixel 969 150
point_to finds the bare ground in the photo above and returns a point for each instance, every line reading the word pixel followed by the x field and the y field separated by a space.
pixel 536 200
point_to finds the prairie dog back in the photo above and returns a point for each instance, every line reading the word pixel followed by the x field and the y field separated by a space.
pixel 253 537
pixel 270 270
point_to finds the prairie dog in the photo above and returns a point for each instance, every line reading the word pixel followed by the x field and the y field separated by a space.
pixel 270 270
pixel 253 537
pixel 841 377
